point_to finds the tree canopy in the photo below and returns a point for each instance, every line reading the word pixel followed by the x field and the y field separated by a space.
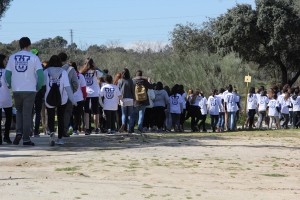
pixel 4 5
pixel 268 35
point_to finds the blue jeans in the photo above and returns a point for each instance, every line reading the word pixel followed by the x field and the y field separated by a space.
pixel 221 120
pixel 214 120
pixel 126 115
pixel 140 111
pixel 231 120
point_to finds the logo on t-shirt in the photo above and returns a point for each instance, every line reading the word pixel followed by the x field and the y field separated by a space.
pixel 89 78
pixel 54 81
pixel 272 104
pixel 21 62
pixel 213 102
pixel 175 100
pixel 109 93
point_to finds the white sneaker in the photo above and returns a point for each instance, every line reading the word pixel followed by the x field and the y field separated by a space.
pixel 75 133
pixel 52 139
pixel 60 141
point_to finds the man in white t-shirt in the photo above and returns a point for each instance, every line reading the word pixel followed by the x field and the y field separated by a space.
pixel 24 74
pixel 111 95
pixel 231 107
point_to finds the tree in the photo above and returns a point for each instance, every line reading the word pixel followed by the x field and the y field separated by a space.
pixel 191 37
pixel 4 5
pixel 269 35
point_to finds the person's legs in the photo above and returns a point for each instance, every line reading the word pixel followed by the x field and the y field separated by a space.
pixel 8 119
pixel 61 110
pixel 286 120
pixel 67 117
pixel 108 120
pixel 28 102
pixel 37 109
pixel 231 119
pixel 141 111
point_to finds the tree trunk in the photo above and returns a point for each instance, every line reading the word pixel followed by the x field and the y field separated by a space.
pixel 284 74
pixel 294 79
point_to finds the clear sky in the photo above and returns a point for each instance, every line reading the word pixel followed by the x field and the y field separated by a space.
pixel 104 21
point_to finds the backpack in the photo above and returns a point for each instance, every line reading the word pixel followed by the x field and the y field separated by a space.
pixel 140 92
pixel 54 96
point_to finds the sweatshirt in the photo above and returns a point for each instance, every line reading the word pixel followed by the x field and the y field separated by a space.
pixel 161 98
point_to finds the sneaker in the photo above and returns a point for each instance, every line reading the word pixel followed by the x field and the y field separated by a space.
pixel 75 133
pixel 60 142
pixel 87 132
pixel 17 139
pixel 29 143
pixel 121 130
pixel 52 139
pixel 7 140
pixel 97 131
pixel 109 131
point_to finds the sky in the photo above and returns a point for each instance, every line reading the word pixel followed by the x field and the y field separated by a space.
pixel 104 22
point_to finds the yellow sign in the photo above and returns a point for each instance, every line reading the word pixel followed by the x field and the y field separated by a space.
pixel 248 79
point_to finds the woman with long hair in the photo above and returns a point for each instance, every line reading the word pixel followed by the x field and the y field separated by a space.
pixel 117 77
pixel 79 96
pixel 91 75
pixel 127 90
pixel 56 76
pixel 214 105
pixel 194 109
pixel 160 103
pixel 5 101
pixel 175 101
pixel 251 106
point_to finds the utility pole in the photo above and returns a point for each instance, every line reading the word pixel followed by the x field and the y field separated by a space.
pixel 71 33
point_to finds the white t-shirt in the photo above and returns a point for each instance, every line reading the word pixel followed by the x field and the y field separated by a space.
pixel 251 102
pixel 231 100
pixel 78 95
pixel 111 94
pixel 214 104
pixel 24 66
pixel 221 97
pixel 5 96
pixel 202 105
pixel 91 79
pixel 62 81
pixel 285 105
pixel 273 103
pixel 175 102
pixel 296 104
pixel 262 103
pixel 280 98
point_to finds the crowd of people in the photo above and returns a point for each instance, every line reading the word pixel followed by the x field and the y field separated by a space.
pixel 87 99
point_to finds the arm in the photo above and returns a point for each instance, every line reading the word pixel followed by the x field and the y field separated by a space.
pixel 83 89
pixel 8 75
pixel 70 95
pixel 40 82
pixel 74 80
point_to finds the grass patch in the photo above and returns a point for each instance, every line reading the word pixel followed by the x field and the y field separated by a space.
pixel 67 169
pixel 147 186
pixel 275 175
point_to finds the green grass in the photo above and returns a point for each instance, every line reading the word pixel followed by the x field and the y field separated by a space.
pixel 275 175
pixel 67 169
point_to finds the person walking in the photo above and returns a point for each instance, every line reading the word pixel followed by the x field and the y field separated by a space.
pixel 74 84
pixel 56 77
pixel 24 74
pixel 5 102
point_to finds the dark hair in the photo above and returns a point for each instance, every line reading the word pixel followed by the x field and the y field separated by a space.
pixel 139 73
pixel 24 42
pixel 252 91
pixel 230 88
pixel 105 71
pixel 222 90
pixel 167 89
pixel 88 64
pixel 159 86
pixel 181 89
pixel 54 61
pixel 214 92
pixel 126 74
pixel 63 56
pixel 2 58
pixel 74 65
pixel 108 79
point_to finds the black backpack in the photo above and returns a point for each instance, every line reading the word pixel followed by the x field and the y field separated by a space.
pixel 54 96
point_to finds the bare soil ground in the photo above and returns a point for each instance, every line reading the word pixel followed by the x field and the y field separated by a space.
pixel 243 165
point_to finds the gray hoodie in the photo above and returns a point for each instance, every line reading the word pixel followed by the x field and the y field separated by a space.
pixel 55 72
pixel 72 77
pixel 161 98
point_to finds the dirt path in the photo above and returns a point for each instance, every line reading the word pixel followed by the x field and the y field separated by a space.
pixel 185 167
